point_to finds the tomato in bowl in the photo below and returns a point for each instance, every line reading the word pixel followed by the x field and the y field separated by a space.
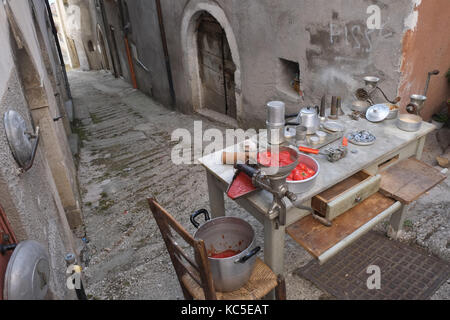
pixel 304 175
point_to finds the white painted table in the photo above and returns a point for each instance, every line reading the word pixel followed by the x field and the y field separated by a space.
pixel 391 142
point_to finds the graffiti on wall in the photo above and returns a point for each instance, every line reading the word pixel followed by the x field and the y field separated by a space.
pixel 356 35
pixel 359 35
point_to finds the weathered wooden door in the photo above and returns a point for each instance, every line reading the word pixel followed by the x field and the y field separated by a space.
pixel 216 67
pixel 118 72
pixel 105 62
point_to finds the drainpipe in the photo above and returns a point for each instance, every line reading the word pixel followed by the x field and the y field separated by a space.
pixel 58 48
pixel 166 52
pixel 127 46
pixel 130 62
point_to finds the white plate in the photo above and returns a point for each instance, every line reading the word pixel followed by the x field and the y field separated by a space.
pixel 358 142
pixel 333 126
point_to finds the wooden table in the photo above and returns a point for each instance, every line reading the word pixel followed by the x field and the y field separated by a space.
pixel 391 146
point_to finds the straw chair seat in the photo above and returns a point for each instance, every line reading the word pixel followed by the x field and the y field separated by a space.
pixel 261 282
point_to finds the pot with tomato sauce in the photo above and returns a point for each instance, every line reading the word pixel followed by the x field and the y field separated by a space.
pixel 230 247
pixel 304 175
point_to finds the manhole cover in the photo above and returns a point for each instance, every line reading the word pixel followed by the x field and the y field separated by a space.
pixel 406 272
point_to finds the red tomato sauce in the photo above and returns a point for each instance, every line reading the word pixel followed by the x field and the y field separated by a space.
pixel 269 159
pixel 225 254
pixel 301 172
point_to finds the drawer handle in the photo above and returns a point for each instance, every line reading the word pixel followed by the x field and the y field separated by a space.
pixel 358 199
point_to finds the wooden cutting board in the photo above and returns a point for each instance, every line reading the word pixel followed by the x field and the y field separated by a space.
pixel 407 180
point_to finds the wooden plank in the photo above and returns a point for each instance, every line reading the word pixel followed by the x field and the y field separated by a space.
pixel 407 180
pixel 317 238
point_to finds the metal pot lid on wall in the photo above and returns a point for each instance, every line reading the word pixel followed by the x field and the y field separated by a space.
pixel 19 139
pixel 28 272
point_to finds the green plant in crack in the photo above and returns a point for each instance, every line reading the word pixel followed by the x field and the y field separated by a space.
pixel 78 129
pixel 408 224
pixel 104 203
pixel 95 118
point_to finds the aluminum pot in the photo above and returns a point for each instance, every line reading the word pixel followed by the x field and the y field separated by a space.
pixel 409 122
pixel 360 106
pixel 393 113
pixel 304 185
pixel 227 233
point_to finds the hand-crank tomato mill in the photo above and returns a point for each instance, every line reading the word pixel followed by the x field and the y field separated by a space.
pixel 272 166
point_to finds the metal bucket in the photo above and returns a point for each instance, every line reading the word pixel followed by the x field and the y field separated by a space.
pixel 227 233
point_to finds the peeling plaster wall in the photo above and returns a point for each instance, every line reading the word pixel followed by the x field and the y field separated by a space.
pixel 426 46
pixel 329 39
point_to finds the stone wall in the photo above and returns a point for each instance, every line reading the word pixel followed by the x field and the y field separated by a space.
pixel 329 42
pixel 32 200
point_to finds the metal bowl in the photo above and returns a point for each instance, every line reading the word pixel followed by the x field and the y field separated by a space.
pixel 304 185
pixel 393 112
pixel 409 122
pixel 360 106
pixel 371 81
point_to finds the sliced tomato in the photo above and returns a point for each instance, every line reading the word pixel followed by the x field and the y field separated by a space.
pixel 301 172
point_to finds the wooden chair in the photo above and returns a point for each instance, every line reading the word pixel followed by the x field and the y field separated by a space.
pixel 195 276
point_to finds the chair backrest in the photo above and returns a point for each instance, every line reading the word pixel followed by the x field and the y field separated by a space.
pixel 198 269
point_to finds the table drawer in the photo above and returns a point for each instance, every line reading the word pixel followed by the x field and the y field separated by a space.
pixel 324 242
pixel 345 195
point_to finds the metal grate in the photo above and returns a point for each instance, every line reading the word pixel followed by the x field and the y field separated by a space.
pixel 407 272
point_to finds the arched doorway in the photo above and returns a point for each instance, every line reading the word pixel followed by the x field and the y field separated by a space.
pixel 207 37
pixel 216 67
